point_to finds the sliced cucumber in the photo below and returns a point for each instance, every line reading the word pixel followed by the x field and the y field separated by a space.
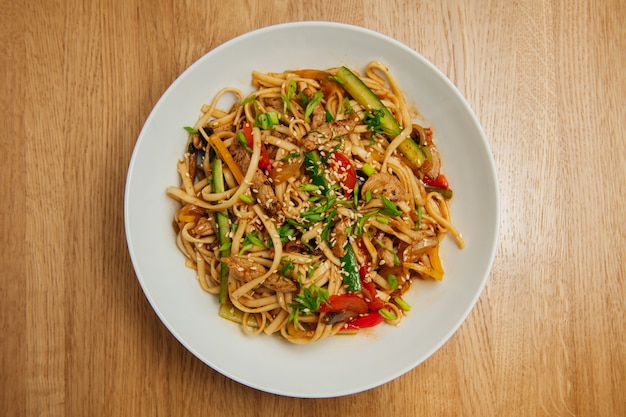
pixel 413 152
pixel 223 228
pixel 370 101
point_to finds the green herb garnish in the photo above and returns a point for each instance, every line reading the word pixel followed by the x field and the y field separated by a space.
pixel 390 208
pixel 291 90
pixel 248 100
pixel 242 139
pixel 402 304
pixel 317 98
pixel 266 120
pixel 372 119
pixel 392 280
pixel 251 240
pixel 246 198
pixel 387 314
pixel 307 302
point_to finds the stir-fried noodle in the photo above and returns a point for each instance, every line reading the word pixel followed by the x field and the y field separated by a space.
pixel 310 206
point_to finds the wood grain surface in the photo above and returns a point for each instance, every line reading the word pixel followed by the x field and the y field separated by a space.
pixel 545 78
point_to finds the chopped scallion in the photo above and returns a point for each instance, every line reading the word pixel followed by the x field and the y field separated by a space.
pixel 390 208
pixel 246 198
pixel 368 170
pixel 308 187
pixel 317 98
pixel 402 304
pixel 419 217
pixel 387 314
pixel 290 156
pixel 368 196
pixel 242 139
pixel 383 220
pixel 248 100
pixel 266 120
pixel 336 79
pixel 392 280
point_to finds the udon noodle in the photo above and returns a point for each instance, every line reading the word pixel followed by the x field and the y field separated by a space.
pixel 308 206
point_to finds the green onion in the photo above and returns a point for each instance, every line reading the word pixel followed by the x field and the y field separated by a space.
pixel 248 100
pixel 246 198
pixel 307 302
pixel 291 90
pixel 368 170
pixel 387 314
pixel 312 164
pixel 419 217
pixel 254 239
pixel 330 153
pixel 402 304
pixel 329 116
pixel 350 265
pixel 356 194
pixel 308 187
pixel 346 107
pixel 390 208
pixel 368 196
pixel 290 156
pixel 335 79
pixel 303 98
pixel 361 222
pixel 242 139
pixel 287 267
pixel 312 217
pixel 190 129
pixel 392 280
pixel 325 235
pixel 286 232
pixel 317 98
pixel 250 240
pixel 225 247
pixel 372 119
pixel 383 220
pixel 266 120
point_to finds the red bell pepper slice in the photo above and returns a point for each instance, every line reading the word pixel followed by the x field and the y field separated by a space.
pixel 345 171
pixel 440 182
pixel 345 302
pixel 369 320
pixel 264 162
pixel 369 292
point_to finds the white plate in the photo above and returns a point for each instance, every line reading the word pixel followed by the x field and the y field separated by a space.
pixel 344 364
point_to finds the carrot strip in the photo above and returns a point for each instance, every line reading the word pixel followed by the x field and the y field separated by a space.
pixel 219 146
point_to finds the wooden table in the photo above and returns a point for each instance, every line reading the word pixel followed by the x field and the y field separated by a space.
pixel 545 78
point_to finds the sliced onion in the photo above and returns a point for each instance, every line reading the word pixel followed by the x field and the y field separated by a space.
pixel 283 170
pixel 416 250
